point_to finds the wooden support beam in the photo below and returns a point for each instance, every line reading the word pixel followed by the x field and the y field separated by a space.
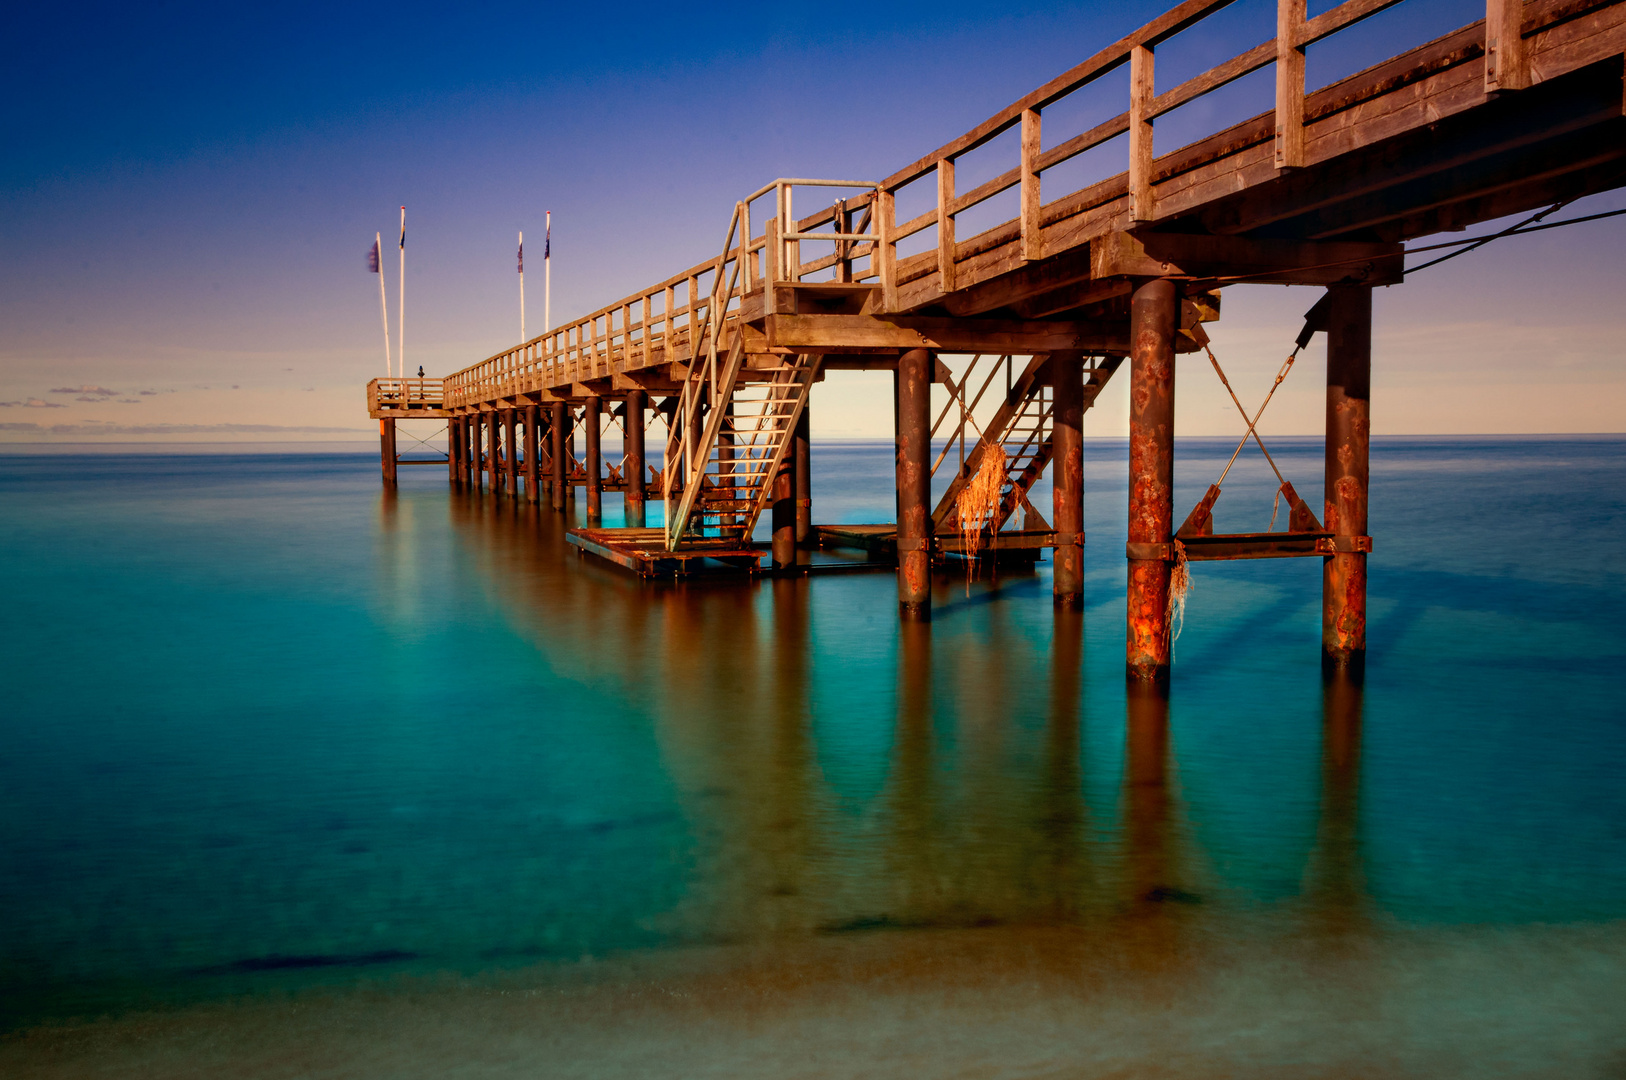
pixel 1032 240
pixel 945 224
pixel 1142 253
pixel 865 333
pixel 1507 62
pixel 1289 84
pixel 1142 90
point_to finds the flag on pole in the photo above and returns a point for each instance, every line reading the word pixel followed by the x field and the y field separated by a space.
pixel 372 258
pixel 547 238
pixel 403 228
pixel 522 254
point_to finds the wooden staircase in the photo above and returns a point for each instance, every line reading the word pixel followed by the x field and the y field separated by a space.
pixel 1023 428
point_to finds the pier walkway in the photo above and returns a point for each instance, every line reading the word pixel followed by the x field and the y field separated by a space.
pixel 1516 113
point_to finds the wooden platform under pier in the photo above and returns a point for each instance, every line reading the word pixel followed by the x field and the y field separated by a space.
pixel 882 540
pixel 643 551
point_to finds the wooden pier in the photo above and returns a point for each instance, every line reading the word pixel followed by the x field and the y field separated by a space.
pixel 1519 112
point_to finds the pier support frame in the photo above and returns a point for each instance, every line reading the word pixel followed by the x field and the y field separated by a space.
pixel 802 453
pixel 913 439
pixel 558 422
pixel 533 448
pixel 386 449
pixel 1067 380
pixel 1153 317
pixel 451 451
pixel 637 496
pixel 592 417
pixel 1349 392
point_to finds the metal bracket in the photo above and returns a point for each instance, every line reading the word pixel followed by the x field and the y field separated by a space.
pixel 1336 545
pixel 1149 552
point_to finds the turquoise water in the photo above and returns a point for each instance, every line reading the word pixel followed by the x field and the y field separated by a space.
pixel 268 729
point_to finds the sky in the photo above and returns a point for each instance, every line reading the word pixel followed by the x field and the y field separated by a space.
pixel 188 194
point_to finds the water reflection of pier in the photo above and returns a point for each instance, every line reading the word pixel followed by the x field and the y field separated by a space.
pixel 941 783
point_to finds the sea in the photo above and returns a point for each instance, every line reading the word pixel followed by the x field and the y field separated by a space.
pixel 300 777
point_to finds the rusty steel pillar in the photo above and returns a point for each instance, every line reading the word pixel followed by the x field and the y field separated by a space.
pixel 1067 380
pixel 533 448
pixel 1349 437
pixel 592 417
pixel 493 422
pixel 386 449
pixel 468 469
pixel 451 451
pixel 510 455
pixel 1154 314
pixel 558 420
pixel 803 470
pixel 784 515
pixel 636 497
pixel 913 438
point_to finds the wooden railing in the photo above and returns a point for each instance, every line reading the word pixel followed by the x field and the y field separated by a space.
pixel 673 316
pixel 405 395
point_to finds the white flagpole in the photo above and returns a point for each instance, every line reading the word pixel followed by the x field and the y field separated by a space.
pixel 383 305
pixel 522 336
pixel 400 300
pixel 547 275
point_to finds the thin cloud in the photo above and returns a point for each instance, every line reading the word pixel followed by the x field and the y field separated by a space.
pixel 104 428
pixel 88 388
pixel 148 393
pixel 39 403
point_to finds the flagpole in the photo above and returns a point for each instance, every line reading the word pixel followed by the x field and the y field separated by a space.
pixel 400 301
pixel 383 305
pixel 547 275
pixel 522 337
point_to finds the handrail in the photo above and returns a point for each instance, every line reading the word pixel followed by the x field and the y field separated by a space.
pixel 630 332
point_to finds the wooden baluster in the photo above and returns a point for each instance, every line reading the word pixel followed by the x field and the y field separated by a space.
pixel 1289 84
pixel 945 226
pixel 1141 92
pixel 1032 242
pixel 1507 64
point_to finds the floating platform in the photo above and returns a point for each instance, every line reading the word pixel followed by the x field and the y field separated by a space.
pixel 643 551
pixel 882 540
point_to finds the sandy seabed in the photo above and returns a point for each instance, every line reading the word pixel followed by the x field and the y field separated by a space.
pixel 1156 997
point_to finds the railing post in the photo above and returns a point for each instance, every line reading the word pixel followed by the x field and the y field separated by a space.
pixel 945 224
pixel 885 248
pixel 1032 242
pixel 1141 92
pixel 1507 66
pixel 1289 84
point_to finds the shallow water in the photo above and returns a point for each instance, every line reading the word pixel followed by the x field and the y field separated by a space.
pixel 280 747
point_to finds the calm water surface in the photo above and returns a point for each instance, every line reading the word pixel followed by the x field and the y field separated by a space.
pixel 271 737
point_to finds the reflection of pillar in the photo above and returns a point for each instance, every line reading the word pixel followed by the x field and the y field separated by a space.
pixel 386 449
pixel 804 480
pixel 1334 882
pixel 558 419
pixel 637 402
pixel 1146 825
pixel 1349 382
pixel 510 457
pixel 1062 809
pixel 1153 313
pixel 533 448
pixel 592 416
pixel 914 386
pixel 913 870
pixel 1067 441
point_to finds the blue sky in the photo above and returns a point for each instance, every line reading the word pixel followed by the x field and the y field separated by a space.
pixel 188 193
